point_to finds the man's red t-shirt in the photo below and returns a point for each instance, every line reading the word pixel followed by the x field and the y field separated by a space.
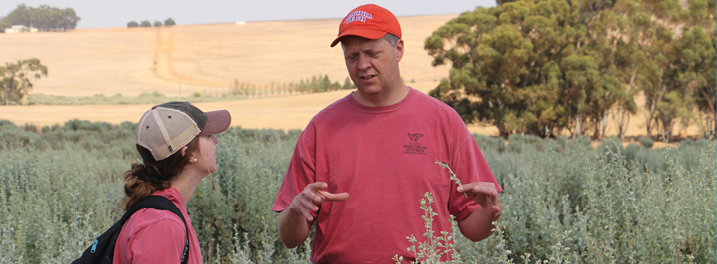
pixel 384 158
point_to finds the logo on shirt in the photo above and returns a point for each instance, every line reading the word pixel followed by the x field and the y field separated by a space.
pixel 413 146
pixel 414 137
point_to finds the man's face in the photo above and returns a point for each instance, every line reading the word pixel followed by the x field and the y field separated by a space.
pixel 372 64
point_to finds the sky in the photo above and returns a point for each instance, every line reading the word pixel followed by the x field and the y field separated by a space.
pixel 115 13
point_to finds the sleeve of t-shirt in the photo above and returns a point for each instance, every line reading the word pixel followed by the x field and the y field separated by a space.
pixel 470 166
pixel 301 171
pixel 161 241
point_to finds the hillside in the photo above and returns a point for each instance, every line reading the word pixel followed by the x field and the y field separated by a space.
pixel 207 59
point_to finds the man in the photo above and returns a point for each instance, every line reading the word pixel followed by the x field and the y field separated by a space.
pixel 362 165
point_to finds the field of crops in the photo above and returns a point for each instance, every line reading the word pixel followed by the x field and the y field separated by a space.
pixel 564 201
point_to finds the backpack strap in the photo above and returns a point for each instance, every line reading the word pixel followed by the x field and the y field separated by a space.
pixel 102 248
pixel 161 203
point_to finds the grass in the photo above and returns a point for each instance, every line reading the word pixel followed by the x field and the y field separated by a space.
pixel 563 200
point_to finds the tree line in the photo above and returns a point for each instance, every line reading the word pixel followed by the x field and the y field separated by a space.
pixel 316 84
pixel 44 18
pixel 546 67
pixel 167 23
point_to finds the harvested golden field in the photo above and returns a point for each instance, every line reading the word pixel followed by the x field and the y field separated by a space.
pixel 201 58
pixel 207 59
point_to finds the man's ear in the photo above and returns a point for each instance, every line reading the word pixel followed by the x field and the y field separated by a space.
pixel 399 50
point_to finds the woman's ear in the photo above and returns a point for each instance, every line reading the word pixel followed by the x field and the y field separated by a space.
pixel 183 151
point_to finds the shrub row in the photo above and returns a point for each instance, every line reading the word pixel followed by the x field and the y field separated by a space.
pixel 564 200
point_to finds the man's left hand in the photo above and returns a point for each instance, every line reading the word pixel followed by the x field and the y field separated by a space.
pixel 486 195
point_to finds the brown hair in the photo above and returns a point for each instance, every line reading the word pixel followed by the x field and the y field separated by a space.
pixel 144 179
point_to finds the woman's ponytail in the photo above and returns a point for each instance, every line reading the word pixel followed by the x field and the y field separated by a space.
pixel 136 186
pixel 144 179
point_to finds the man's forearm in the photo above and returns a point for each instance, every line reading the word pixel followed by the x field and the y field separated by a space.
pixel 477 226
pixel 293 228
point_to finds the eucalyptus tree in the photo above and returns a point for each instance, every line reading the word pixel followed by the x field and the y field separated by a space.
pixel 535 66
pixel 680 71
pixel 16 79
pixel 44 18
pixel 525 66
pixel 169 22
pixel 4 23
pixel 702 39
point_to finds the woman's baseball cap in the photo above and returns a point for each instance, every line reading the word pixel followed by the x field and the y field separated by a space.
pixel 168 127
pixel 368 21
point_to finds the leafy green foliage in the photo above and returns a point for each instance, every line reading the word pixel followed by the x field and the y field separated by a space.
pixel 169 22
pixel 348 84
pixel 535 66
pixel 485 142
pixel 646 142
pixel 434 248
pixel 44 18
pixel 4 23
pixel 453 177
pixel 616 206
pixel 16 79
pixel 563 200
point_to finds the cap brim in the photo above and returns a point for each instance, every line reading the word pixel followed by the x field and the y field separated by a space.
pixel 360 32
pixel 217 122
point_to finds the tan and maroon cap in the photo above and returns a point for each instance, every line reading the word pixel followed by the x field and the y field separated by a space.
pixel 368 21
pixel 168 127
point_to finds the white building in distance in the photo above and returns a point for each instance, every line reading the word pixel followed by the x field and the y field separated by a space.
pixel 20 29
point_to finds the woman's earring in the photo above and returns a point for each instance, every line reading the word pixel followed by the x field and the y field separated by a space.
pixel 195 160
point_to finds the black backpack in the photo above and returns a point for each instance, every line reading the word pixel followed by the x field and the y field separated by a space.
pixel 103 248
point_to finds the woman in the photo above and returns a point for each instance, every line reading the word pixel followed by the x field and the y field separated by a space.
pixel 177 144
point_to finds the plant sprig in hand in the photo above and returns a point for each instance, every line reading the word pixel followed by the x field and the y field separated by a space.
pixel 453 175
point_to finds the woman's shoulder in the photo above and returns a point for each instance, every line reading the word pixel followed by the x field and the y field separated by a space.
pixel 151 236
pixel 155 221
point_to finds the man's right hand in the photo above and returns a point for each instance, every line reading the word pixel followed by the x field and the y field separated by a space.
pixel 313 195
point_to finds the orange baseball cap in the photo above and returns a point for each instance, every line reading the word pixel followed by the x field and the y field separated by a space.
pixel 368 21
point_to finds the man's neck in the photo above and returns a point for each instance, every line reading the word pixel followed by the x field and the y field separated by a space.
pixel 391 97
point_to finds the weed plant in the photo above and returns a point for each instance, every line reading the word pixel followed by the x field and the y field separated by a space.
pixel 563 201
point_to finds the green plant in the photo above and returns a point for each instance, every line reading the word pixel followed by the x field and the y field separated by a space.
pixel 434 248
pixel 61 185
pixel 453 175
pixel 646 142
